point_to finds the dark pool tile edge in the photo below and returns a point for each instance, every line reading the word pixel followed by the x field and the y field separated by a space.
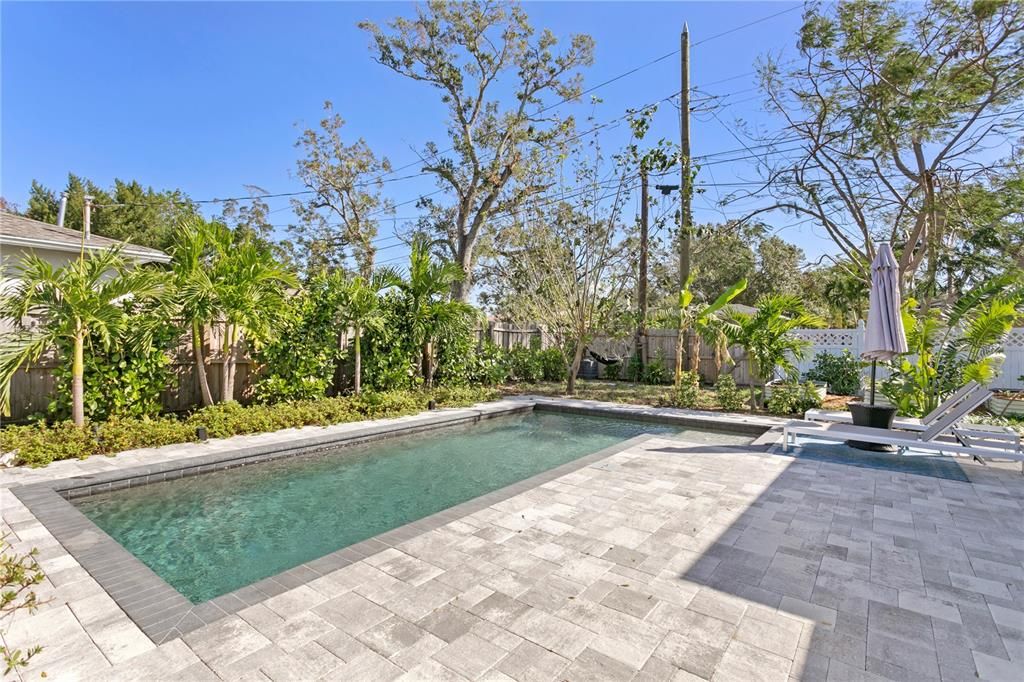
pixel 655 415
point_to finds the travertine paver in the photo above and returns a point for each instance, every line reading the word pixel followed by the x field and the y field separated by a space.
pixel 658 563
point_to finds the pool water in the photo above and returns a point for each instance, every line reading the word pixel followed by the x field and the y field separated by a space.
pixel 210 534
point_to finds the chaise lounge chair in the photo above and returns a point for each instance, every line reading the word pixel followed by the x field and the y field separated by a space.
pixel 927 440
pixel 902 423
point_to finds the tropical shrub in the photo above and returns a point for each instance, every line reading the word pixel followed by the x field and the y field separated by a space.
pixel 688 390
pixel 655 371
pixel 552 364
pixel 729 397
pixel 123 377
pixel 840 372
pixel 390 356
pixel 951 346
pixel 787 398
pixel 525 364
pixel 299 362
pixel 766 336
pixel 613 371
pixel 489 365
pixel 80 300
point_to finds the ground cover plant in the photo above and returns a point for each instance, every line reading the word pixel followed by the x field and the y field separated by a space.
pixel 40 443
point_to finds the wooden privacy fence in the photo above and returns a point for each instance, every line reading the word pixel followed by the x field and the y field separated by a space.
pixel 32 388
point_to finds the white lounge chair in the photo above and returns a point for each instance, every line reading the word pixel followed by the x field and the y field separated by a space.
pixel 927 439
pixel 903 423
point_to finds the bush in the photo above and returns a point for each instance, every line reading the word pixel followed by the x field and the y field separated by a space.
pixel 299 362
pixel 840 372
pixel 39 444
pixel 729 397
pixel 124 380
pixel 688 391
pixel 655 372
pixel 552 364
pixel 789 399
pixel 489 366
pixel 613 371
pixel 525 364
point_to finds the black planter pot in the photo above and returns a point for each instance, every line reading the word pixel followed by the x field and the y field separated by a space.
pixel 875 416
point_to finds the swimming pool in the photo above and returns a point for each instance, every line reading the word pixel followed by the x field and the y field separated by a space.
pixel 210 534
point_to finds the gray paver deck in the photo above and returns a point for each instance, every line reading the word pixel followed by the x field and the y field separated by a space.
pixel 665 561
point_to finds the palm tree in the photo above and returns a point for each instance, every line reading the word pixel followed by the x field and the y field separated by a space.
pixel 361 309
pixel 705 322
pixel 83 299
pixel 194 294
pixel 249 292
pixel 431 312
pixel 766 336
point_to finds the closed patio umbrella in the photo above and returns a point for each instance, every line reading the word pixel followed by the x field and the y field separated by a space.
pixel 885 338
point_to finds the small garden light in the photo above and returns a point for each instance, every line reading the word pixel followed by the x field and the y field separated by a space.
pixel 201 434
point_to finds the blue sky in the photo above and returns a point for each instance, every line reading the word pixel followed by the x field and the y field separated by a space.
pixel 206 96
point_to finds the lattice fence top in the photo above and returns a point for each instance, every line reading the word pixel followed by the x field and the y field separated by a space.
pixel 847 338
pixel 1015 339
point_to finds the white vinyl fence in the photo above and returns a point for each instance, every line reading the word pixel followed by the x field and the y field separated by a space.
pixel 835 341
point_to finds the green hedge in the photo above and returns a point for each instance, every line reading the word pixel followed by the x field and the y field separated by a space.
pixel 39 444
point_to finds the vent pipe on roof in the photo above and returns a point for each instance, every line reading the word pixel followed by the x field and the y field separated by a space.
pixel 87 218
pixel 63 209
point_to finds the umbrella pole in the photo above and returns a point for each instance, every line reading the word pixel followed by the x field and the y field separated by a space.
pixel 874 366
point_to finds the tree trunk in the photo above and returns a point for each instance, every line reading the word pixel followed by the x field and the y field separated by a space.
pixel 228 368
pixel 428 364
pixel 574 369
pixel 338 380
pixel 359 362
pixel 78 380
pixel 692 351
pixel 753 399
pixel 200 360
pixel 680 340
pixel 461 289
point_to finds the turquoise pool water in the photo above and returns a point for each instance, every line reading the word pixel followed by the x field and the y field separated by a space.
pixel 210 534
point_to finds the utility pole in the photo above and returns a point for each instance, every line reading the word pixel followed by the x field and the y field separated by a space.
pixel 685 186
pixel 641 330
pixel 86 221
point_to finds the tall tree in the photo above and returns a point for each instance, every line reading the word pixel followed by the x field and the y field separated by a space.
pixel 128 212
pixel 567 262
pixel 498 138
pixel 346 204
pixel 891 108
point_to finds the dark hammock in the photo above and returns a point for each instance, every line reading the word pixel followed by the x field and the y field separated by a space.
pixel 603 360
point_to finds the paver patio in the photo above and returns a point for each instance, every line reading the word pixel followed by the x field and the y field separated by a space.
pixel 665 561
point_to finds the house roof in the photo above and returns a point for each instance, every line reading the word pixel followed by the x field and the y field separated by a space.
pixel 16 230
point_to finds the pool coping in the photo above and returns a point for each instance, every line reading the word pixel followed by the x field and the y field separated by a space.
pixel 163 613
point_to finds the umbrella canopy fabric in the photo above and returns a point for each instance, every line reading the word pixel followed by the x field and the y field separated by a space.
pixel 884 338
